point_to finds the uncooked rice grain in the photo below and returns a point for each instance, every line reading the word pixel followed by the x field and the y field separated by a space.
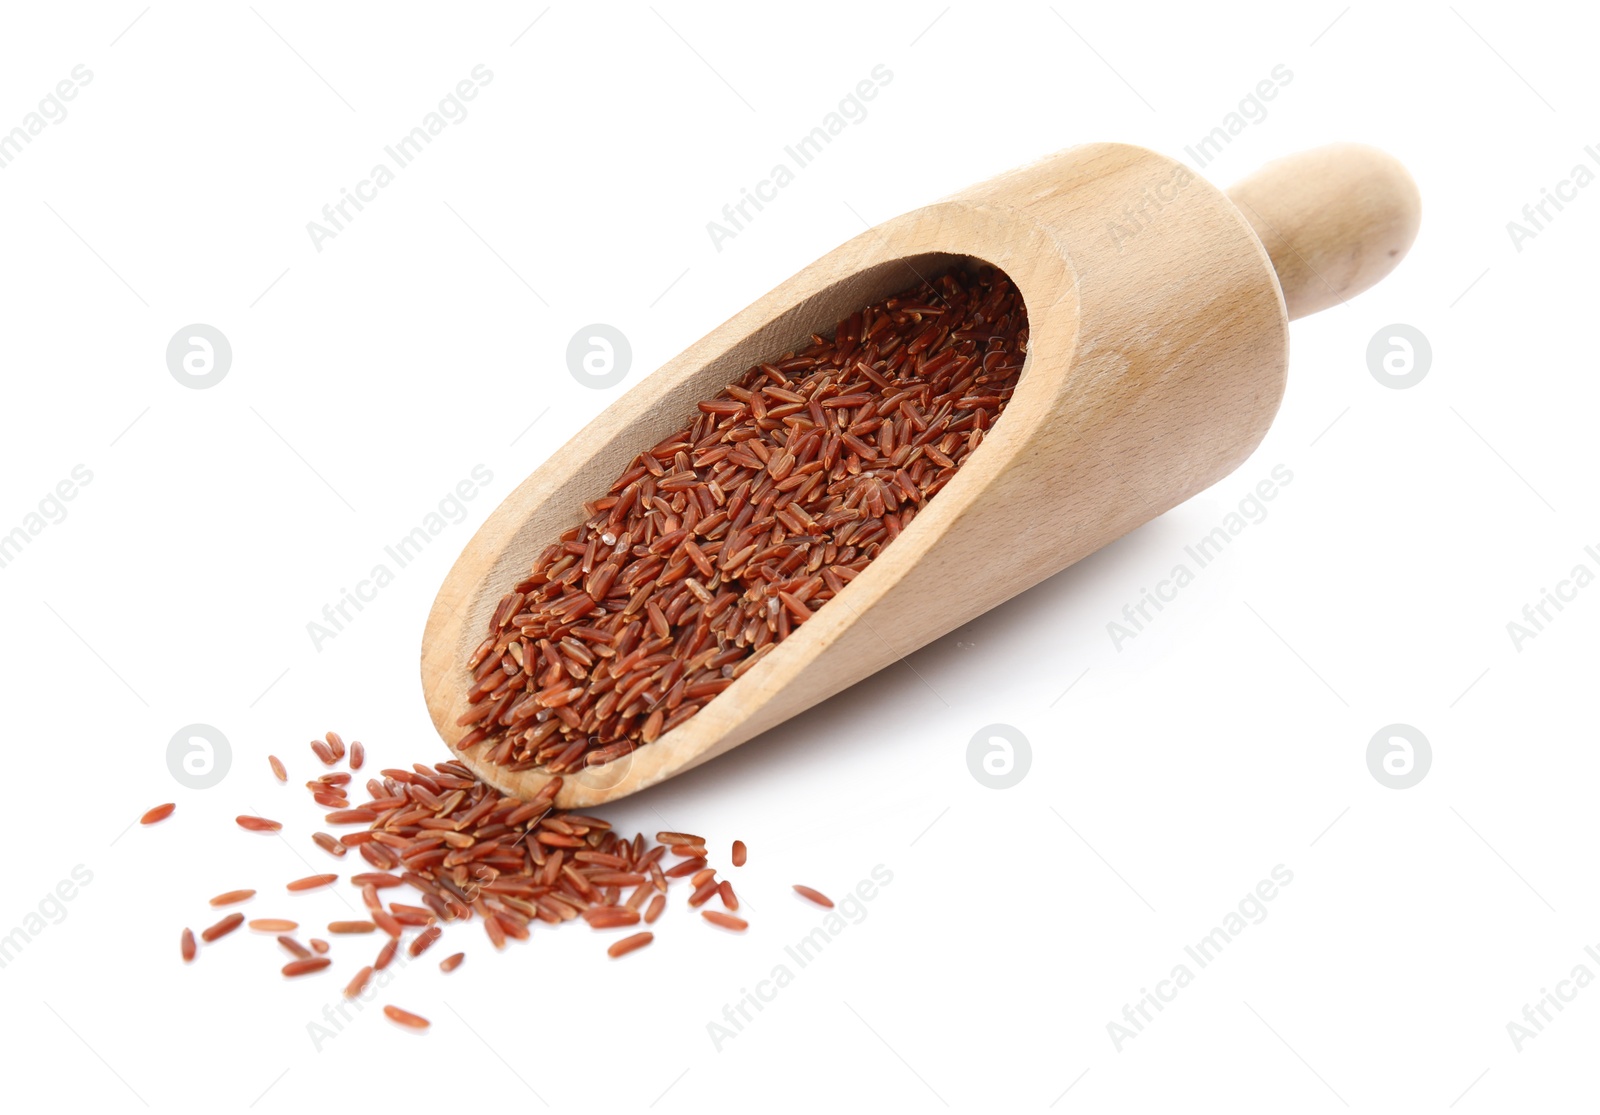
pixel 680 838
pixel 294 947
pixel 740 853
pixel 629 944
pixel 329 844
pixel 355 986
pixel 258 824
pixel 687 867
pixel 610 917
pixel 471 852
pixel 814 895
pixel 386 954
pixel 377 879
pixel 406 1018
pixel 424 940
pixel 159 813
pixel 222 928
pixel 719 541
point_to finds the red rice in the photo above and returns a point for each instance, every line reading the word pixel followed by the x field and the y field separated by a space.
pixel 159 813
pixel 424 940
pixel 295 947
pixel 277 768
pixel 629 944
pixel 406 1018
pixel 222 928
pixel 814 895
pixel 358 983
pixel 329 844
pixel 740 853
pixel 386 954
pixel 720 540
pixel 378 879
pixel 471 852
pixel 610 917
pixel 258 824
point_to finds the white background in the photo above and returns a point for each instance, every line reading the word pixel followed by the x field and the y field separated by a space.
pixel 369 378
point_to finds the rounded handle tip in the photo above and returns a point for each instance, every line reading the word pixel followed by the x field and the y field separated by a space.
pixel 1334 220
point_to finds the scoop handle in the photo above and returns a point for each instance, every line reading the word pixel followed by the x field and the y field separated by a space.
pixel 1334 219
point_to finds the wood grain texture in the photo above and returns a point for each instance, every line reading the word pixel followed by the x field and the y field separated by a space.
pixel 1157 354
pixel 1335 220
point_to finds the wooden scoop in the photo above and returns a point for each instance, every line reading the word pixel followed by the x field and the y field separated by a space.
pixel 1158 311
